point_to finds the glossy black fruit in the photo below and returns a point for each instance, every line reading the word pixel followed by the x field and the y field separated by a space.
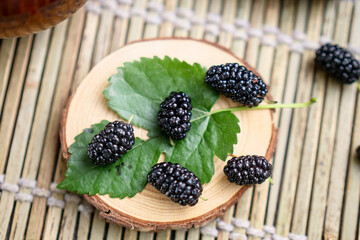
pixel 176 182
pixel 338 62
pixel 238 83
pixel 111 143
pixel 175 114
pixel 246 170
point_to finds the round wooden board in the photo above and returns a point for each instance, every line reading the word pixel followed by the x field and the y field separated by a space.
pixel 150 210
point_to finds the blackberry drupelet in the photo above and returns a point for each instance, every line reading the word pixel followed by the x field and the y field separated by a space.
pixel 358 152
pixel 174 115
pixel 111 143
pixel 177 182
pixel 246 170
pixel 238 83
pixel 338 62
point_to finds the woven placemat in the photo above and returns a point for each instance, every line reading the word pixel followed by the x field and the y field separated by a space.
pixel 316 192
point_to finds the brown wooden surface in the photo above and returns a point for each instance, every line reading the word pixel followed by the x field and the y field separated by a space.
pixel 316 173
pixel 23 17
pixel 150 210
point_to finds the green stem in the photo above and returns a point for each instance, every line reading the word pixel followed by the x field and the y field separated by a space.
pixel 271 181
pixel 202 198
pixel 358 85
pixel 268 106
pixel 271 102
pixel 131 118
pixel 171 142
pixel 273 105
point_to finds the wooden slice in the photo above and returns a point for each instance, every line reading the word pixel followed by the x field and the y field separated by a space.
pixel 151 210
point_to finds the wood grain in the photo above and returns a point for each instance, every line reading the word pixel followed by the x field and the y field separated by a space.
pixel 221 194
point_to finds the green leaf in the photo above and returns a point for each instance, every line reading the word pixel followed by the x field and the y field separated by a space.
pixel 140 86
pixel 137 89
pixel 213 135
pixel 125 177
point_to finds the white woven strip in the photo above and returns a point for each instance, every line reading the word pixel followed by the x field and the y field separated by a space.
pixel 183 23
pixel 297 47
pixel 224 226
pixel 85 208
pixel 126 2
pixel 293 236
pixel 24 197
pixel 40 192
pixel 278 237
pixel 10 187
pixel 324 39
pixel 255 232
pixel 122 14
pixel 109 4
pixel 354 49
pixel 269 229
pixel 185 12
pixel 299 35
pixel 237 236
pixel 55 190
pixel 253 32
pixel 184 18
pixel 242 23
pixel 228 27
pixel 27 183
pixel 311 45
pixel 169 16
pixel 54 202
pixel 197 20
pixel 269 42
pixel 212 29
pixel 70 197
pixel 153 19
pixel 154 6
pixel 271 29
pixel 138 12
pixel 283 38
pixel 240 223
pixel 93 7
pixel 241 35
pixel 2 178
pixel 213 18
pixel 213 232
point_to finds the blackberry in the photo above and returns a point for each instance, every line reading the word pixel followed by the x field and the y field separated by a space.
pixel 238 83
pixel 247 170
pixel 111 143
pixel 174 115
pixel 338 62
pixel 358 151
pixel 177 182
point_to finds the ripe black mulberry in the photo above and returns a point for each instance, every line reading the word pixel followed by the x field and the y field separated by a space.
pixel 111 143
pixel 247 170
pixel 175 114
pixel 338 62
pixel 238 83
pixel 178 183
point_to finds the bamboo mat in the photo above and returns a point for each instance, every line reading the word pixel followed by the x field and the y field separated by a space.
pixel 316 192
